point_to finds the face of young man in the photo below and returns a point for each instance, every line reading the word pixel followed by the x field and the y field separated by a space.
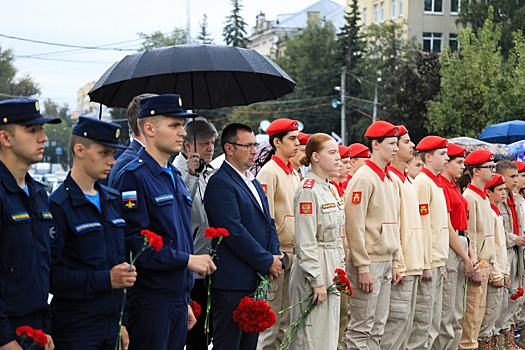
pixel 288 146
pixel 437 160
pixel 414 167
pixel 387 149
pixel 356 163
pixel 242 154
pixel 26 142
pixel 98 160
pixel 521 181
pixel 345 168
pixel 499 195
pixel 205 148
pixel 455 167
pixel 328 159
pixel 168 134
pixel 511 178
pixel 487 171
pixel 406 148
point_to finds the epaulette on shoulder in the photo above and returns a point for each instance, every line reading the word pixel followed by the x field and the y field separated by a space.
pixel 135 164
pixel 58 196
pixel 110 190
pixel 309 183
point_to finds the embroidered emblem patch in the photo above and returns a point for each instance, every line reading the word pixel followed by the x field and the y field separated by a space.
pixel 129 200
pixel 46 215
pixel 87 226
pixel 265 188
pixel 423 209
pixel 328 205
pixel 306 207
pixel 53 231
pixel 356 197
pixel 163 198
pixel 309 183
pixel 20 216
pixel 118 221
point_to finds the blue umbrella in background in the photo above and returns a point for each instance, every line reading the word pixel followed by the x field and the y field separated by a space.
pixel 506 133
pixel 517 149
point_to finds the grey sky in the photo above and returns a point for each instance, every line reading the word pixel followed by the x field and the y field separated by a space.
pixel 109 23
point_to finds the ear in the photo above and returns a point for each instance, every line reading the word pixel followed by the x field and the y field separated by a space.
pixel 149 129
pixel 228 148
pixel 375 145
pixel 315 157
pixel 5 138
pixel 78 150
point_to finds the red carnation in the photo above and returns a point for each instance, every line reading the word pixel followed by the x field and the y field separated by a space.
pixel 40 337
pixel 222 232
pixel 254 316
pixel 37 335
pixel 210 232
pixel 24 331
pixel 520 291
pixel 196 308
pixel 340 272
pixel 153 239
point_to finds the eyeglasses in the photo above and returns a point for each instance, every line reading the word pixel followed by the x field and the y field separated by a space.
pixel 249 146
pixel 491 167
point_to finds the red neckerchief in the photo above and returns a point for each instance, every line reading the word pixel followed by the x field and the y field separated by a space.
pixel 344 183
pixel 397 172
pixel 496 209
pixel 434 178
pixel 512 206
pixel 340 190
pixel 481 193
pixel 288 168
pixel 376 169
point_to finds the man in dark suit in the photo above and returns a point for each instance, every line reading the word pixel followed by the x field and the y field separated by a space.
pixel 235 200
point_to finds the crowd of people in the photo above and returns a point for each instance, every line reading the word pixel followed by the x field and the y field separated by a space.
pixel 431 237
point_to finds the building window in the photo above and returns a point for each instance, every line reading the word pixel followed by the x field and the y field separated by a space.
pixel 453 42
pixel 375 13
pixel 434 6
pixel 365 16
pixel 432 42
pixel 393 9
pixel 400 8
pixel 454 6
pixel 382 11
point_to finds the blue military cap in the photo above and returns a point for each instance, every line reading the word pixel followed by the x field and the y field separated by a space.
pixel 102 132
pixel 169 105
pixel 24 111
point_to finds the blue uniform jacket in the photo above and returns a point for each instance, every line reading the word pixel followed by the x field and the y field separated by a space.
pixel 124 159
pixel 253 241
pixel 86 245
pixel 24 253
pixel 150 201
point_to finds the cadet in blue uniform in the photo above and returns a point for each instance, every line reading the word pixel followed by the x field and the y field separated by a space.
pixel 154 197
pixel 24 223
pixel 88 268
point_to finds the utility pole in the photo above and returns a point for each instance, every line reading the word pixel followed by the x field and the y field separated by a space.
pixel 374 114
pixel 343 106
pixel 188 23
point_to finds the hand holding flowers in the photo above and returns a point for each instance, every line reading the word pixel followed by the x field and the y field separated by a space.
pixel 515 293
pixel 27 333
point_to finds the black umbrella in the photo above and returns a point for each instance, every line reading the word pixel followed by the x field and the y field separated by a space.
pixel 206 77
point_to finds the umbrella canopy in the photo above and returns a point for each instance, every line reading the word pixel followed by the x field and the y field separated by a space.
pixel 206 77
pixel 517 149
pixel 507 132
pixel 500 152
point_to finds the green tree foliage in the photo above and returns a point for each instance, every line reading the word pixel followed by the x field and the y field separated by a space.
pixel 470 81
pixel 10 85
pixel 158 39
pixel 58 134
pixel 234 31
pixel 204 36
pixel 313 59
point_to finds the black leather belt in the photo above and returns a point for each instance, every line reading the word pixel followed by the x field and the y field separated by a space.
pixel 462 233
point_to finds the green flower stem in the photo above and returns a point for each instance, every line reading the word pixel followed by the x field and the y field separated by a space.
pixel 213 255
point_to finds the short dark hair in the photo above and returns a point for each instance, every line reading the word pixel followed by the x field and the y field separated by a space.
pixel 369 142
pixel 505 164
pixel 229 134
pixel 75 139
pixel 423 154
pixel 133 111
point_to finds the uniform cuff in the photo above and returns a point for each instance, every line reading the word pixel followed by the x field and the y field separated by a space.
pixel 363 269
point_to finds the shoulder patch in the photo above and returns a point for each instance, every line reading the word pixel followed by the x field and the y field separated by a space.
pixel 356 197
pixel 129 200
pixel 265 188
pixel 423 209
pixel 309 183
pixel 306 208
pixel 20 216
pixel 134 164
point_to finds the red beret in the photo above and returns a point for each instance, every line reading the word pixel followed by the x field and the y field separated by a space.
pixel 402 130
pixel 303 138
pixel 381 129
pixel 430 143
pixel 358 150
pixel 520 165
pixel 344 151
pixel 479 156
pixel 282 125
pixel 496 181
pixel 456 150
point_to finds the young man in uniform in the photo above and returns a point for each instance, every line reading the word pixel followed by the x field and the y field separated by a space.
pixel 434 218
pixel 480 166
pixel 513 224
pixel 403 295
pixel 199 143
pixel 303 139
pixel 154 197
pixel 372 231
pixel 24 225
pixel 88 269
pixel 279 181
pixel 359 154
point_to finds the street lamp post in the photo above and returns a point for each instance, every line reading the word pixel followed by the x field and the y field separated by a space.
pixel 374 114
pixel 343 106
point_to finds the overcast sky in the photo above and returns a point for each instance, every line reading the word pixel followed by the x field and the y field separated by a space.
pixel 61 71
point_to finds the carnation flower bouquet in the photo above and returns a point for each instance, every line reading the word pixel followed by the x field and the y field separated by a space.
pixel 340 284
pixel 151 240
pixel 37 338
pixel 515 293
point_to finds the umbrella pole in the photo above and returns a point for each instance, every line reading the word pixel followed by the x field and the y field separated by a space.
pixel 100 112
pixel 201 161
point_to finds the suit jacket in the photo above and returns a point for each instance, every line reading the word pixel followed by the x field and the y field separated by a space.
pixel 124 159
pixel 253 241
